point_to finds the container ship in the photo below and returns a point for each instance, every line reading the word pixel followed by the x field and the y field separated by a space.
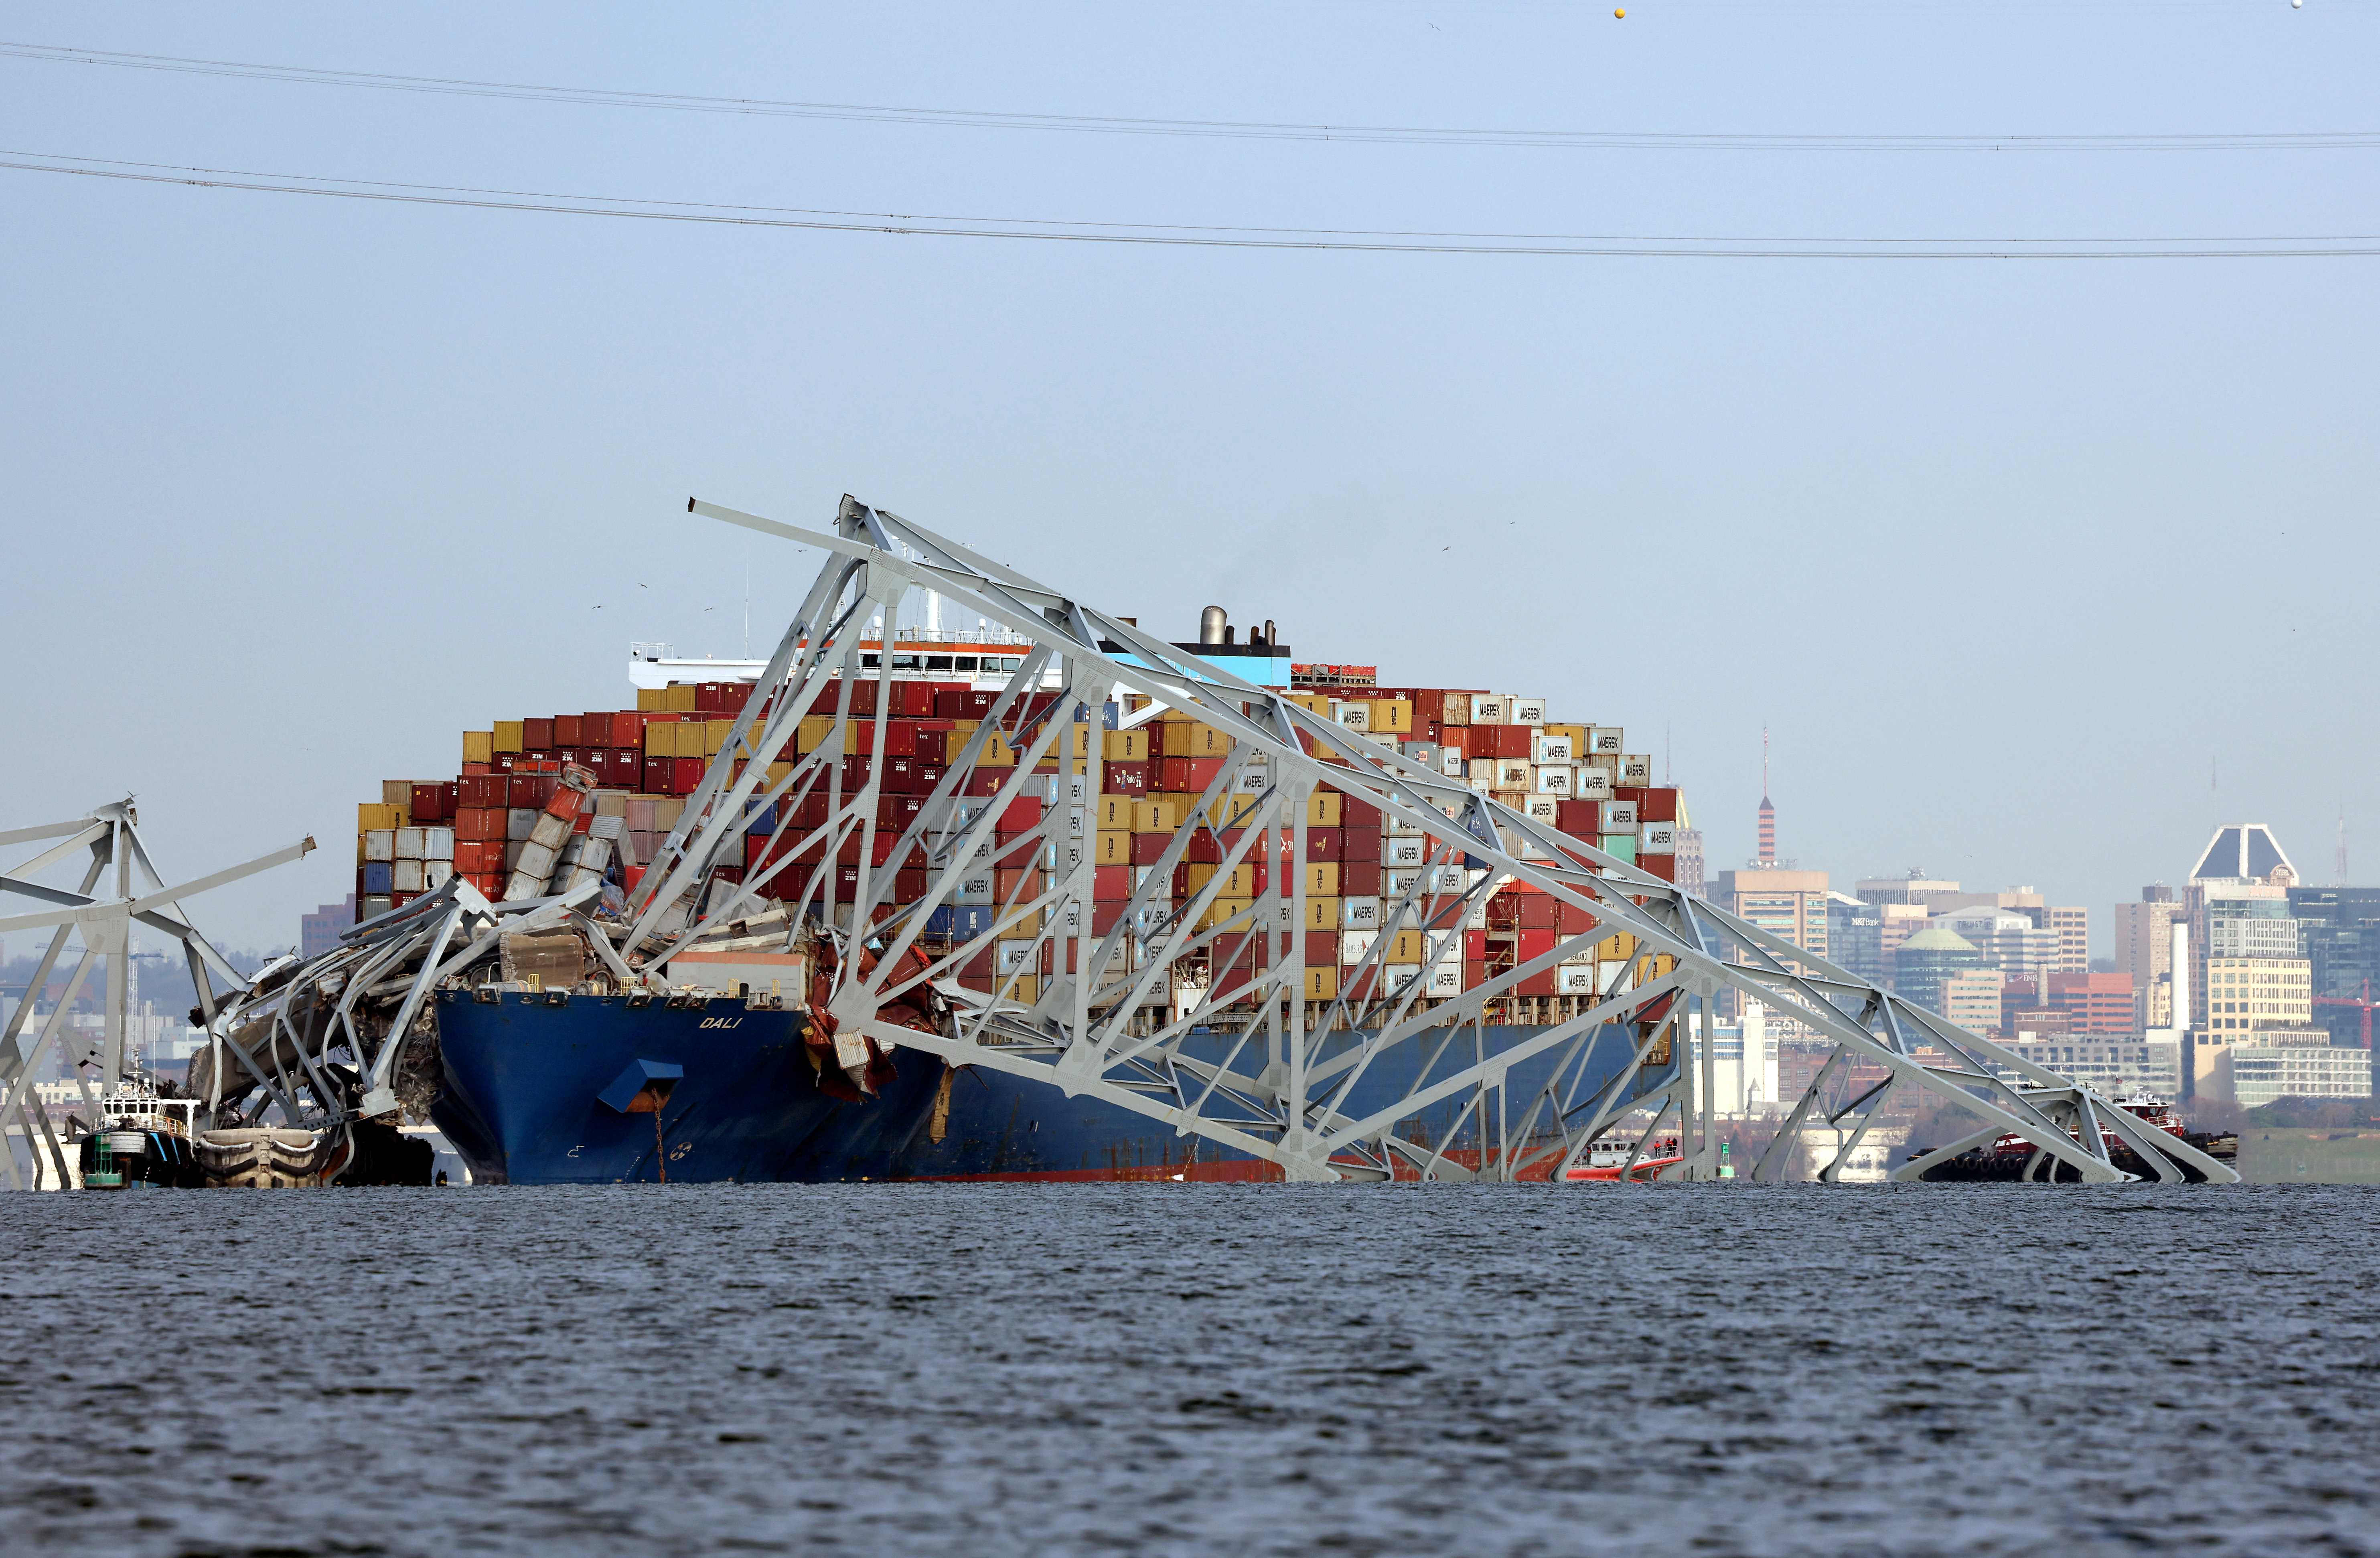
pixel 548 1062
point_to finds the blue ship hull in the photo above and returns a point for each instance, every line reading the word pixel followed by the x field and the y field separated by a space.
pixel 524 1078
pixel 1003 1127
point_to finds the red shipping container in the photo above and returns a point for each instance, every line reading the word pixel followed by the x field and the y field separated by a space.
pixel 1580 819
pixel 1663 866
pixel 897 812
pixel 537 736
pixel 1475 974
pixel 656 776
pixel 933 744
pixel 1111 883
pixel 912 700
pixel 1535 942
pixel 684 774
pixel 566 730
pixel 1147 848
pixel 1572 919
pixel 1474 946
pixel 863 699
pixel 1653 804
pixel 1322 844
pixel 1359 846
pixel 1124 779
pixel 476 769
pixel 1186 775
pixel 929 775
pixel 1500 740
pixel 1359 878
pixel 1105 916
pixel 855 769
pixel 901 774
pixel 1022 815
pixel 1005 881
pixel 1542 983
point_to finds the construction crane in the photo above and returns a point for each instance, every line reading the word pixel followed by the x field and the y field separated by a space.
pixel 2364 1004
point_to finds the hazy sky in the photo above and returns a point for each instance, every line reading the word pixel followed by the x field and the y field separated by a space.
pixel 2005 554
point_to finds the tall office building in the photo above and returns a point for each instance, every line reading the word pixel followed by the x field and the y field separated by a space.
pixel 2007 938
pixel 2144 951
pixel 2340 931
pixel 1928 961
pixel 1690 866
pixel 1855 937
pixel 2073 927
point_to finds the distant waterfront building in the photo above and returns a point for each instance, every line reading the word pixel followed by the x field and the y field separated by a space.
pixel 1915 888
pixel 2007 938
pixel 2255 1074
pixel 1927 960
pixel 2144 951
pixel 1690 862
pixel 2098 1004
pixel 2246 995
pixel 1788 903
pixel 318 932
pixel 2339 931
pixel 2073 927
pixel 1739 1087
pixel 2114 1067
pixel 1971 999
pixel 1855 937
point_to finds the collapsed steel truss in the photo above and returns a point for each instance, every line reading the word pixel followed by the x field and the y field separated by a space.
pixel 111 835
pixel 1167 1014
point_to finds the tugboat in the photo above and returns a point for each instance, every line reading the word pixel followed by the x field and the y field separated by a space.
pixel 2012 1158
pixel 1607 1155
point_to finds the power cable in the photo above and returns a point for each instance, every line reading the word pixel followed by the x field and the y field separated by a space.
pixel 1654 245
pixel 1412 135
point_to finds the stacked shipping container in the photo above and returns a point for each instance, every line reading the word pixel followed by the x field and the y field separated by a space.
pixel 1356 867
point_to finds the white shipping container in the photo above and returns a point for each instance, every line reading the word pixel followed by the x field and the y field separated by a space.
pixel 1487 708
pixel 1574 979
pixel 1512 773
pixel 1656 838
pixel 974 889
pixel 407 876
pixel 409 843
pixel 1527 711
pixel 1445 981
pixel 1403 853
pixel 1397 978
pixel 438 843
pixel 1396 884
pixel 513 848
pixel 1443 879
pixel 1555 778
pixel 1398 825
pixel 1636 772
pixel 520 821
pixel 1543 748
pixel 1619 816
pixel 435 871
pixel 1352 714
pixel 1252 780
pixel 1352 944
pixel 1604 741
pixel 1544 808
pixel 1359 913
pixel 380 843
pixel 1013 957
pixel 1482 771
pixel 1594 782
pixel 1078 819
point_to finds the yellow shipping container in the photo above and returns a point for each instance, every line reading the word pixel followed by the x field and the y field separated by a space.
pixel 479 746
pixel 661 739
pixel 1406 947
pixel 680 697
pixel 1027 991
pixel 1221 909
pixel 373 814
pixel 1124 746
pixel 811 731
pixel 1322 913
pixel 1024 929
pixel 1113 814
pixel 1160 813
pixel 651 700
pixel 997 753
pixel 1240 883
pixel 1321 984
pixel 1319 703
pixel 692 738
pixel 1322 809
pixel 1616 948
pixel 1111 847
pixel 1322 881
pixel 508 735
pixel 1577 734
pixel 1392 717
pixel 779 772
pixel 715 736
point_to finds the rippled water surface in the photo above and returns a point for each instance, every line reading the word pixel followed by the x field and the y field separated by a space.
pixel 1176 1368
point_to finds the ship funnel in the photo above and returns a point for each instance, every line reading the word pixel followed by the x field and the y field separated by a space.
pixel 1270 637
pixel 1211 625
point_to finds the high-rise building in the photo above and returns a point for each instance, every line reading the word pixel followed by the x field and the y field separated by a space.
pixel 2144 951
pixel 1917 888
pixel 1690 865
pixel 1855 937
pixel 1788 903
pixel 1927 960
pixel 318 932
pixel 2339 930
pixel 2073 927
pixel 2097 1004
pixel 2246 995
pixel 1971 999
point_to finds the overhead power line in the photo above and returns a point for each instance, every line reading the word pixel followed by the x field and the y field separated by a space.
pixel 1228 130
pixel 1577 245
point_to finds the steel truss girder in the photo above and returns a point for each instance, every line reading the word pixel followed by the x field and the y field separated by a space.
pixel 1289 1075
pixel 111 835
